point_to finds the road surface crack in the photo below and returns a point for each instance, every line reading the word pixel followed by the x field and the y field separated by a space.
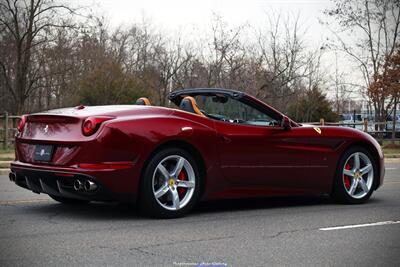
pixel 287 232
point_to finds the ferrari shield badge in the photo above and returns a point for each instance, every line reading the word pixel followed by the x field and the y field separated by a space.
pixel 317 129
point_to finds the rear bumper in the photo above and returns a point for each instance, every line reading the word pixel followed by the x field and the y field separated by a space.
pixel 60 182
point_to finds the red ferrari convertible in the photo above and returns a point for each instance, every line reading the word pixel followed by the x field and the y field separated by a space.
pixel 216 144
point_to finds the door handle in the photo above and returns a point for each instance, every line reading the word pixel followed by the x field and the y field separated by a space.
pixel 224 139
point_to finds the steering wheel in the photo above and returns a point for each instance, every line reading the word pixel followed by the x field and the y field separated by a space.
pixel 238 121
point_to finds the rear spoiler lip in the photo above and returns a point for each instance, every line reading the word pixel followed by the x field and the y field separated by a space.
pixel 54 118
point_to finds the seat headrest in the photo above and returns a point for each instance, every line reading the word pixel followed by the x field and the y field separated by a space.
pixel 143 101
pixel 189 104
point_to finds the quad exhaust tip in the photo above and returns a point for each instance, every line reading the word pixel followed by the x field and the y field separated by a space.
pixel 86 185
pixel 78 186
pixel 90 186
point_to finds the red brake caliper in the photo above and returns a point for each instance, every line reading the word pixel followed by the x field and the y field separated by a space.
pixel 346 178
pixel 182 177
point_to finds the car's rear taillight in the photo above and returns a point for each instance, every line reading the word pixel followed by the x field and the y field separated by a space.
pixel 21 123
pixel 92 124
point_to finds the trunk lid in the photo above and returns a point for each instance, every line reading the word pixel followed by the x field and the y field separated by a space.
pixel 65 125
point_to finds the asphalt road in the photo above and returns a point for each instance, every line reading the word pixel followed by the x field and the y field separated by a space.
pixel 36 231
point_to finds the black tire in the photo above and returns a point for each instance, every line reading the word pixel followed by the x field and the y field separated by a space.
pixel 339 192
pixel 148 202
pixel 69 201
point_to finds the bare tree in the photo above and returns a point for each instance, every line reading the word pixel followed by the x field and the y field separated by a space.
pixel 369 30
pixel 342 90
pixel 284 57
pixel 169 59
pixel 27 24
pixel 224 54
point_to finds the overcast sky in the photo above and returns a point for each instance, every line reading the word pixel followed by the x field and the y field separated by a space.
pixel 178 15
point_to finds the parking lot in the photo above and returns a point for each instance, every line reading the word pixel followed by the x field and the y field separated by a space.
pixel 300 231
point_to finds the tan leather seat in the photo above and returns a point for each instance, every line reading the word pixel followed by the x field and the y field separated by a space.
pixel 143 101
pixel 189 104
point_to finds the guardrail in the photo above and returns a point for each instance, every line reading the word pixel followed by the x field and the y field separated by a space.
pixel 372 128
pixel 8 129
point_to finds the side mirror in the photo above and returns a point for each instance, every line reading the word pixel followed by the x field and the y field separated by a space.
pixel 285 123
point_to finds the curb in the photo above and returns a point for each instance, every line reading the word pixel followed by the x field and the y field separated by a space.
pixel 4 164
pixel 4 171
pixel 392 160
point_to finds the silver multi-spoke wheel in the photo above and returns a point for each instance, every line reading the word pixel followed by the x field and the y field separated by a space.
pixel 173 182
pixel 358 175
